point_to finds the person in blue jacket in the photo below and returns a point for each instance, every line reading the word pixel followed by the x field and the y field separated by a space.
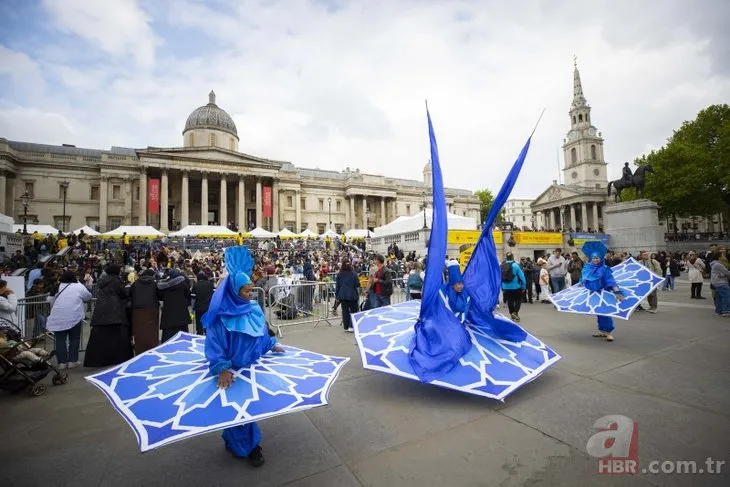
pixel 236 335
pixel 459 299
pixel 513 285
pixel 597 276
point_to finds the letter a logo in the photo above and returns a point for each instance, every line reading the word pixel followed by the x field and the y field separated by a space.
pixel 615 438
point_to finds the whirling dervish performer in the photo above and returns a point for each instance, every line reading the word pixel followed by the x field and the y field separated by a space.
pixel 236 335
pixel 453 337
pixel 597 276
pixel 459 300
pixel 607 292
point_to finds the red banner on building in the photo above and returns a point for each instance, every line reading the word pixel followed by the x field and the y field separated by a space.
pixel 153 201
pixel 268 206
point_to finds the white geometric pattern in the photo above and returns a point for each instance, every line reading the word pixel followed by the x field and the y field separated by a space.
pixel 168 394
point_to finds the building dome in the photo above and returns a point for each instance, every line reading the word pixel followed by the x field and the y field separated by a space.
pixel 211 117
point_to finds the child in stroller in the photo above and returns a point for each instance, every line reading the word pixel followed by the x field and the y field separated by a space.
pixel 22 364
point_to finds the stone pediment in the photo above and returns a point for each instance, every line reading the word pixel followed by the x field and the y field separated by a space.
pixel 554 194
pixel 213 155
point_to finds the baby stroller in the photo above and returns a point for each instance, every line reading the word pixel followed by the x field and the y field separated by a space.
pixel 18 375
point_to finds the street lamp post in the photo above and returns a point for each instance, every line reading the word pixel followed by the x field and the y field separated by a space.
pixel 25 201
pixel 367 221
pixel 64 185
pixel 329 203
pixel 423 195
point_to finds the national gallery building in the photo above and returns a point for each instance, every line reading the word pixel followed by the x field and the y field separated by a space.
pixel 206 181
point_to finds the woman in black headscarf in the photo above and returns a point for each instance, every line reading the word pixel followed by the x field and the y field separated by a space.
pixel 174 292
pixel 145 312
pixel 110 341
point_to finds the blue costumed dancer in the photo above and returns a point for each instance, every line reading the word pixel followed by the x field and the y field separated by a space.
pixel 458 298
pixel 597 276
pixel 236 336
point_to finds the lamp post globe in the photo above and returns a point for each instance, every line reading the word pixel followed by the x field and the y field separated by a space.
pixel 329 204
pixel 25 201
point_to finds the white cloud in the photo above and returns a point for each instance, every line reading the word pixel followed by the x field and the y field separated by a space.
pixel 118 27
pixel 22 69
pixel 332 88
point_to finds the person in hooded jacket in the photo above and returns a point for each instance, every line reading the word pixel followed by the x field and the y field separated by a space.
pixel 597 276
pixel 203 291
pixel 110 340
pixel 145 312
pixel 174 292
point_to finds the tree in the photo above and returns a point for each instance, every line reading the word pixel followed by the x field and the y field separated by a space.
pixel 692 171
pixel 486 197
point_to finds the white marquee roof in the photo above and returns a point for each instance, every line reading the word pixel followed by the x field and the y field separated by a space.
pixel 43 229
pixel 87 230
pixel 259 232
pixel 206 230
pixel 134 231
pixel 405 224
pixel 357 233
pixel 308 233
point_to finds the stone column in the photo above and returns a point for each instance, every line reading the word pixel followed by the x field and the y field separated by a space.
pixel 364 212
pixel 298 206
pixel 11 209
pixel 185 200
pixel 572 217
pixel 394 214
pixel 143 197
pixel 595 216
pixel 164 224
pixel 275 206
pixel 383 216
pixel 351 220
pixel 3 185
pixel 204 199
pixel 241 204
pixel 223 204
pixel 259 204
pixel 552 218
pixel 129 196
pixel 584 217
pixel 103 202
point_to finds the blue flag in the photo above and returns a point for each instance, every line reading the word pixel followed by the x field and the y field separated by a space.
pixel 440 339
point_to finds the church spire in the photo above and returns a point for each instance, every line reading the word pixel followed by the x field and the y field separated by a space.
pixel 578 99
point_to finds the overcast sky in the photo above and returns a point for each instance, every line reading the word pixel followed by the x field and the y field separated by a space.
pixel 331 84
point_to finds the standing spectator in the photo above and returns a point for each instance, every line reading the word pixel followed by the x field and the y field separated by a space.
pixel 66 319
pixel 382 283
pixel 8 303
pixel 174 293
pixel 536 270
pixel 672 272
pixel 513 285
pixel 544 280
pixel 415 282
pixel 719 276
pixel 203 291
pixel 347 292
pixel 695 273
pixel 654 266
pixel 575 268
pixel 110 341
pixel 145 312
pixel 557 270
pixel 528 268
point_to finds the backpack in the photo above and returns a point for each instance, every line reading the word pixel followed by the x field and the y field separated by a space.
pixel 415 282
pixel 508 273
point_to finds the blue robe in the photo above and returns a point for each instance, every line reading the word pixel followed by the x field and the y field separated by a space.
pixel 597 278
pixel 224 350
pixel 458 302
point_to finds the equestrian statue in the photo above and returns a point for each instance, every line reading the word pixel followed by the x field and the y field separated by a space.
pixel 631 180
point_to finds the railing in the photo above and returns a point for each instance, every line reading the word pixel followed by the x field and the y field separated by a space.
pixel 32 313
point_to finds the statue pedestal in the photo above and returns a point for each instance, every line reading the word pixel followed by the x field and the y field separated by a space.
pixel 634 226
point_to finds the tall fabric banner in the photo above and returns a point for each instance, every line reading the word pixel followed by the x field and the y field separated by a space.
pixel 268 210
pixel 153 203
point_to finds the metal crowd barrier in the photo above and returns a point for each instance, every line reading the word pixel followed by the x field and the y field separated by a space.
pixel 32 313
pixel 300 303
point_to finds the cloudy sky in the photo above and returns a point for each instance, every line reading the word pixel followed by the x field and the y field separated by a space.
pixel 335 83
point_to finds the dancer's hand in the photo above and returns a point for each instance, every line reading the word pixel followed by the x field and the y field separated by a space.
pixel 619 297
pixel 278 349
pixel 225 379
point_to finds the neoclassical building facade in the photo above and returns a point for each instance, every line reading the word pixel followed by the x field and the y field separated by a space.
pixel 206 181
pixel 579 202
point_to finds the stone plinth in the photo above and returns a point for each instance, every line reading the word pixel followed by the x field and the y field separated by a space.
pixel 634 226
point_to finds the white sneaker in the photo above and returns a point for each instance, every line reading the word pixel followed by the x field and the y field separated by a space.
pixel 652 311
pixel 73 365
pixel 62 366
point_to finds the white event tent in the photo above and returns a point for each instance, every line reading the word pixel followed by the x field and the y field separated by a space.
pixel 358 233
pixel 87 230
pixel 286 233
pixel 331 234
pixel 42 229
pixel 308 233
pixel 259 232
pixel 406 224
pixel 138 231
pixel 204 231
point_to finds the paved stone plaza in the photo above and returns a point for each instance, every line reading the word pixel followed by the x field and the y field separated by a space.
pixel 670 372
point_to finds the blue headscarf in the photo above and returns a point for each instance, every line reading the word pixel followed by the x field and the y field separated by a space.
pixel 591 271
pixel 458 302
pixel 236 313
